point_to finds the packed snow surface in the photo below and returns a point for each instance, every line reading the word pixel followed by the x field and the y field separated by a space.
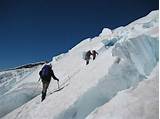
pixel 140 102
pixel 117 79
pixel 16 88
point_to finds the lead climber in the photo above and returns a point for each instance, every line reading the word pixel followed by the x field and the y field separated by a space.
pixel 45 74
pixel 94 53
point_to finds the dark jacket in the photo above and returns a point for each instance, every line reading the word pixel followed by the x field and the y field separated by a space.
pixel 94 53
pixel 88 54
pixel 48 77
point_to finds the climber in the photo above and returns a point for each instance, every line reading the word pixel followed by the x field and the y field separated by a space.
pixel 87 56
pixel 94 53
pixel 45 74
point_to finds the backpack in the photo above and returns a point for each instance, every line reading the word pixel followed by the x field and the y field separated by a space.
pixel 45 71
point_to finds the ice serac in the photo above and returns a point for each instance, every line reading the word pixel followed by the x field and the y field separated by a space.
pixel 142 51
pixel 127 55
pixel 106 32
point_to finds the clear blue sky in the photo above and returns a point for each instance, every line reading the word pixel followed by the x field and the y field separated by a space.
pixel 35 30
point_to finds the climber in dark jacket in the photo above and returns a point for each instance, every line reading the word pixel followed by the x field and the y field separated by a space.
pixel 94 53
pixel 45 74
pixel 87 56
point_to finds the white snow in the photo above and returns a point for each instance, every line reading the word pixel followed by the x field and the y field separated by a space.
pixel 17 87
pixel 127 55
pixel 106 33
pixel 140 102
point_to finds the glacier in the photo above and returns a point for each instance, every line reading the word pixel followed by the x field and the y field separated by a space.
pixel 122 71
pixel 16 88
pixel 135 103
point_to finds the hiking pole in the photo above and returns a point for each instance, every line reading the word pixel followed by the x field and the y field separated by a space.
pixel 58 84
pixel 39 79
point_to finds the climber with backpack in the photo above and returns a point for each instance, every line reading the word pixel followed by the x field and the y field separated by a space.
pixel 88 56
pixel 94 53
pixel 45 74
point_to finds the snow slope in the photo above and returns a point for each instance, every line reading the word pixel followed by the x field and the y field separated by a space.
pixel 17 86
pixel 140 102
pixel 127 55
